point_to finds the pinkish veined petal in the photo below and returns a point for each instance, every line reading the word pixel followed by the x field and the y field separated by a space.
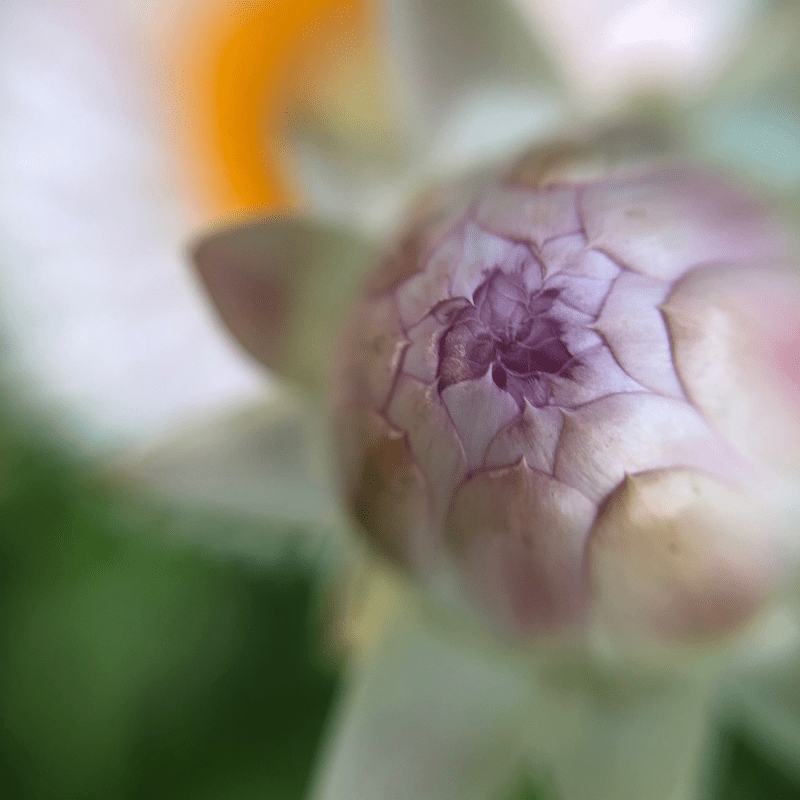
pixel 479 409
pixel 632 432
pixel 422 357
pixel 679 555
pixel 446 52
pixel 634 327
pixel 263 463
pixel 424 716
pixel 533 435
pixel 281 286
pixel 570 254
pixel 594 374
pixel 579 339
pixel 417 408
pixel 482 251
pixel 456 266
pixel 662 224
pixel 385 490
pixel 736 338
pixel 531 216
pixel 373 348
pixel 518 537
pixel 429 283
pixel 585 295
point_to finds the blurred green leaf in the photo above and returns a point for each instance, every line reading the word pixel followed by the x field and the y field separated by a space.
pixel 136 669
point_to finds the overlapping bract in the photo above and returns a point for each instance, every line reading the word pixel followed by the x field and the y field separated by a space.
pixel 564 398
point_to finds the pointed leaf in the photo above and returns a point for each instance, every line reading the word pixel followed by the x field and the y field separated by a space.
pixel 346 183
pixel 262 463
pixel 281 286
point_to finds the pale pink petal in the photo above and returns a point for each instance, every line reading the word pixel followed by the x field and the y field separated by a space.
pixel 626 433
pixel 736 336
pixel 484 251
pixel 518 535
pixel 385 490
pixel 422 356
pixel 423 290
pixel 534 435
pixel 564 312
pixel 579 339
pixel 374 346
pixel 632 324
pixel 584 294
pixel 479 409
pixel 530 216
pixel 678 554
pixel 663 224
pixel 592 375
pixel 570 254
pixel 417 408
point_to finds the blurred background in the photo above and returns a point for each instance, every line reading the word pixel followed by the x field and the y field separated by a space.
pixel 137 661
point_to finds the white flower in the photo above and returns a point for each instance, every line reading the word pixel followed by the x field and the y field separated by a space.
pixel 102 328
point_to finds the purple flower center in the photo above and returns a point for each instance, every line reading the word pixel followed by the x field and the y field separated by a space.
pixel 509 329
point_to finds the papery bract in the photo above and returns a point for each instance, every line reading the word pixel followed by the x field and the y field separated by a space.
pixel 569 396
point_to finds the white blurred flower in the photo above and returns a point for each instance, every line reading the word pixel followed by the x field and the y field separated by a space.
pixel 102 324
pixel 611 49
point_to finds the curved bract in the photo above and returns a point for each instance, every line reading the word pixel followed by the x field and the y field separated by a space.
pixel 568 394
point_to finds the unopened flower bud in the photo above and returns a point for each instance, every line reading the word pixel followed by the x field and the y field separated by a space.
pixel 573 396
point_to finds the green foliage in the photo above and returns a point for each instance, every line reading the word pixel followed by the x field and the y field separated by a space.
pixel 132 668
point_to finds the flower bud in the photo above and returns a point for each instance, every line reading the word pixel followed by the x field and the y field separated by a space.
pixel 571 397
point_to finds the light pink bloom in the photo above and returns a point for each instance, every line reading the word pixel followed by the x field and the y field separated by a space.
pixel 576 400
pixel 565 405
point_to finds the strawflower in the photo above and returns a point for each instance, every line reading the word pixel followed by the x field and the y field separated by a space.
pixel 562 392
pixel 564 405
